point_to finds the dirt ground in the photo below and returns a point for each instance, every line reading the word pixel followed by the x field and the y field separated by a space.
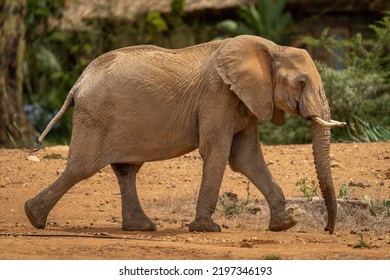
pixel 86 223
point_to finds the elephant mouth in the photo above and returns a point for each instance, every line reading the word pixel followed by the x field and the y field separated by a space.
pixel 331 123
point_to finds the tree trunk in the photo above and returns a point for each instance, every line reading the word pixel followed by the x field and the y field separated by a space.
pixel 14 127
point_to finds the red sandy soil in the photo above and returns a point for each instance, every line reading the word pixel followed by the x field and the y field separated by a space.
pixel 86 223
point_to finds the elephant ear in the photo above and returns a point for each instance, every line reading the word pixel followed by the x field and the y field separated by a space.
pixel 245 63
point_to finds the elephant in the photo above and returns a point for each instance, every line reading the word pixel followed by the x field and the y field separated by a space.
pixel 145 103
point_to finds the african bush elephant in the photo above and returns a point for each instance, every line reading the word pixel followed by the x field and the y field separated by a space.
pixel 145 103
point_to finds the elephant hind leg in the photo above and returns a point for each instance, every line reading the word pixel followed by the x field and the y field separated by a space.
pixel 134 218
pixel 38 208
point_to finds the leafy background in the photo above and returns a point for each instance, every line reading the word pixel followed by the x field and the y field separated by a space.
pixel 55 57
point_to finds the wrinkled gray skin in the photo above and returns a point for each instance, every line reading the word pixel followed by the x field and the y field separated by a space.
pixel 145 103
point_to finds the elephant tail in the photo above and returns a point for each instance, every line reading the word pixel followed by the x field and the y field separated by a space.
pixel 67 103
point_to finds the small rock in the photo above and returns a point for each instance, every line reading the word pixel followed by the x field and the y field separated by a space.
pixel 230 196
pixel 246 244
pixel 353 183
pixel 33 158
pixel 334 163
pixel 254 209
pixel 296 211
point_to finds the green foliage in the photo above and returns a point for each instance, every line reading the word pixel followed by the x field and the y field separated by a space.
pixel 53 156
pixel 296 130
pixel 271 257
pixel 231 210
pixel 308 191
pixel 343 190
pixel 177 12
pixel 370 204
pixel 265 19
pixel 43 66
pixel 156 22
pixel 377 207
pixel 359 93
pixel 361 243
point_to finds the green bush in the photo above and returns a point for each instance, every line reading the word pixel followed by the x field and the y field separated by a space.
pixel 308 191
pixel 266 19
pixel 359 93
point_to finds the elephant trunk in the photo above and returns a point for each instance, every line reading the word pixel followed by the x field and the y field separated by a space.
pixel 321 149
pixel 314 105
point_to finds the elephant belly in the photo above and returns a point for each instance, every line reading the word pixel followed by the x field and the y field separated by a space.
pixel 152 146
pixel 158 136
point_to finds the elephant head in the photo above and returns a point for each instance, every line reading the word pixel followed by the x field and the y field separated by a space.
pixel 272 79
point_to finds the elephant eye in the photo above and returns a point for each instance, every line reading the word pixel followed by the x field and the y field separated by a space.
pixel 301 85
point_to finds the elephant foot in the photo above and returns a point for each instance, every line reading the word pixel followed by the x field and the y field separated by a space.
pixel 204 224
pixel 34 214
pixel 139 225
pixel 281 222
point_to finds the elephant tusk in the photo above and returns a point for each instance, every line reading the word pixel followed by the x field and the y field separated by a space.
pixel 331 123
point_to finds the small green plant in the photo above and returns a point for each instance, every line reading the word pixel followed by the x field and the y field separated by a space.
pixel 361 243
pixel 343 190
pixel 308 191
pixel 386 204
pixel 231 210
pixel 271 257
pixel 53 156
pixel 377 207
pixel 370 204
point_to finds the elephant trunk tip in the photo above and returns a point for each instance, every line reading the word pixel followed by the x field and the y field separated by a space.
pixel 330 228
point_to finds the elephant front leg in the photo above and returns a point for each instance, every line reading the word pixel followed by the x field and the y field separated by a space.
pixel 214 163
pixel 246 157
pixel 134 218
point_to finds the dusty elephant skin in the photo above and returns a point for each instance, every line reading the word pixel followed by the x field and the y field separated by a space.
pixel 145 103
